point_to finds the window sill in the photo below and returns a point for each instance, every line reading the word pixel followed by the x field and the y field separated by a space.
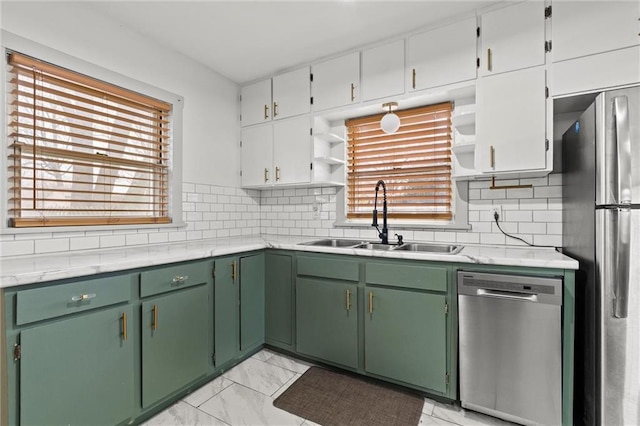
pixel 97 228
pixel 406 225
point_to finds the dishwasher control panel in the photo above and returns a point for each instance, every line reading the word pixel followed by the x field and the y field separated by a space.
pixel 545 289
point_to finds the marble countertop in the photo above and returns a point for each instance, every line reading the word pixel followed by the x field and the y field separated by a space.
pixel 20 270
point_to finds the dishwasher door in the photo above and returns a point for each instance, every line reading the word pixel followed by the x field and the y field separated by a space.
pixel 511 346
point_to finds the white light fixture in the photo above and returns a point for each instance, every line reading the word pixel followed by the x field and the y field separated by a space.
pixel 390 122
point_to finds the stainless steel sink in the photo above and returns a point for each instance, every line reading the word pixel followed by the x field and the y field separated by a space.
pixel 430 248
pixel 375 246
pixel 368 245
pixel 332 242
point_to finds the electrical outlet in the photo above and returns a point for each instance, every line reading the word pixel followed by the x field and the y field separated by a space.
pixel 496 210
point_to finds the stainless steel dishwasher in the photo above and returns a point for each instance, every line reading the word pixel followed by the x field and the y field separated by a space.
pixel 511 346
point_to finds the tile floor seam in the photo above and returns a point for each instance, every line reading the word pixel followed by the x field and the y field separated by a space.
pixel 211 415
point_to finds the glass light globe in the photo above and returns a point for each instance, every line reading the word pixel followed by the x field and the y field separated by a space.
pixel 390 123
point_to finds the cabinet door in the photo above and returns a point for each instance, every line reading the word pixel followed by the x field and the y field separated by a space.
pixel 442 56
pixel 512 38
pixel 383 71
pixel 255 104
pixel 406 337
pixel 279 300
pixel 251 301
pixel 291 93
pixel 336 82
pixel 511 122
pixel 582 28
pixel 327 320
pixel 292 150
pixel 257 156
pixel 226 309
pixel 79 370
pixel 175 342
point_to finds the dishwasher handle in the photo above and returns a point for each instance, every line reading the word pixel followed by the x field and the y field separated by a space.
pixel 526 297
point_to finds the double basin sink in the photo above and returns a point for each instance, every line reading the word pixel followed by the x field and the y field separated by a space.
pixel 367 245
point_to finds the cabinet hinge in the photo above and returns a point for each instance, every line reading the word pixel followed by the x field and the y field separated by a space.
pixel 240 98
pixel 312 100
pixel 477 62
pixel 240 173
pixel 547 46
pixel 311 77
pixel 240 117
pixel 546 92
pixel 213 270
pixel 446 378
pixel 546 144
pixel 240 144
pixel 311 131
pixel 446 309
pixel 547 12
pixel 310 166
pixel 17 352
pixel 213 358
pixel 477 31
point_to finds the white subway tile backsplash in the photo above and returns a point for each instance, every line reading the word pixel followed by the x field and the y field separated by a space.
pixel 137 239
pixel 211 211
pixel 16 248
pixel 112 241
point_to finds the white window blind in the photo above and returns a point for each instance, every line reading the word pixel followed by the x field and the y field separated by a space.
pixel 83 151
pixel 414 162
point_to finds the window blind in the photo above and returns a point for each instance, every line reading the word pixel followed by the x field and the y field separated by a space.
pixel 414 162
pixel 83 151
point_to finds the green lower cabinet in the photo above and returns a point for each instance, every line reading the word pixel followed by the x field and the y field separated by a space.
pixel 79 370
pixel 175 341
pixel 279 300
pixel 251 301
pixel 226 309
pixel 327 320
pixel 406 336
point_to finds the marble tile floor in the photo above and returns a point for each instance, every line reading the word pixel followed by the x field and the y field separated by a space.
pixel 244 395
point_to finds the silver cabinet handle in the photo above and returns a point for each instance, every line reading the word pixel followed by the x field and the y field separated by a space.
pixel 507 295
pixel 180 279
pixel 623 148
pixel 83 297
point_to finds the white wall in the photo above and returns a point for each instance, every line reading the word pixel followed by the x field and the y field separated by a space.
pixel 210 129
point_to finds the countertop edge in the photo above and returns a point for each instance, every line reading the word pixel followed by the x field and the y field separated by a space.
pixel 23 270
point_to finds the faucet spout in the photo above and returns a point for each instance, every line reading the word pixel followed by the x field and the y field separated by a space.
pixel 384 234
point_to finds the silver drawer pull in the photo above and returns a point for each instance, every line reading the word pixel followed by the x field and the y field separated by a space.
pixel 180 279
pixel 83 297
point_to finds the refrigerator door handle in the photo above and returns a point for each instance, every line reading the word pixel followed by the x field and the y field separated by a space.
pixel 623 149
pixel 623 264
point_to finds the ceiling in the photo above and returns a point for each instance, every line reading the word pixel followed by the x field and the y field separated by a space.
pixel 248 40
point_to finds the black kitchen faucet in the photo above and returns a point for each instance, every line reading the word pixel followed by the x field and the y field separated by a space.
pixel 384 234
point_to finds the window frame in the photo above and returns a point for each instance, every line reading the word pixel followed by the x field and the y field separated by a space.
pixel 12 42
pixel 459 207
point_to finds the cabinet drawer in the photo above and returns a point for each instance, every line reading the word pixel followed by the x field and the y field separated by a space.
pixel 407 275
pixel 58 300
pixel 174 277
pixel 329 267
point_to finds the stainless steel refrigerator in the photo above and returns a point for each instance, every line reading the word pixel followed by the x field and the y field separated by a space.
pixel 601 229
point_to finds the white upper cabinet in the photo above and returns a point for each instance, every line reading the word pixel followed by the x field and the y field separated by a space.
pixel 291 93
pixel 291 97
pixel 595 45
pixel 336 82
pixel 583 28
pixel 511 122
pixel 257 156
pixel 512 38
pixel 277 153
pixel 383 71
pixel 292 151
pixel 442 56
pixel 255 103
